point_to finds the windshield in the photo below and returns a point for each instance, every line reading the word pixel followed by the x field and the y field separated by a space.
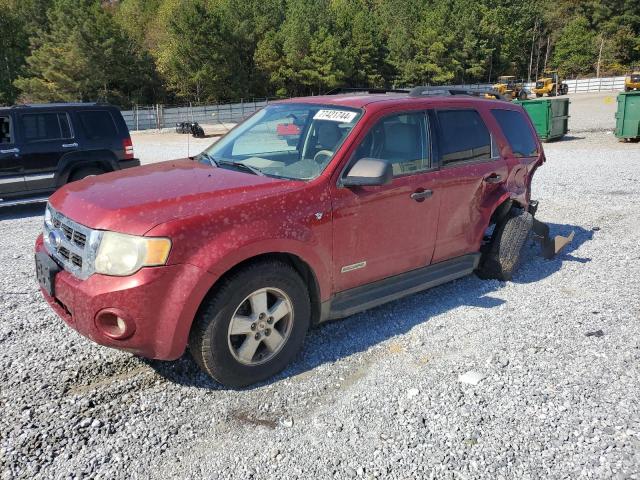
pixel 288 140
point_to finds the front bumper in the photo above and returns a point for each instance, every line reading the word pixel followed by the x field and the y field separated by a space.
pixel 157 303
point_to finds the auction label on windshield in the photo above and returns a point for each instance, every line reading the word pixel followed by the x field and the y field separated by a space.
pixel 335 115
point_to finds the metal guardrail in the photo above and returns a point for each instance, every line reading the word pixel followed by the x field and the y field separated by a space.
pixel 161 116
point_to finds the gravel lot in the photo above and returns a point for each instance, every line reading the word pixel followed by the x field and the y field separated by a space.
pixel 379 394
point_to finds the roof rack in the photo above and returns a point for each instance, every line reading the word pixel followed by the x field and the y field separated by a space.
pixel 429 90
pixel 339 90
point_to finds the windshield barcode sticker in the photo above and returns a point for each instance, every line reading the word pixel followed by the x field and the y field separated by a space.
pixel 335 115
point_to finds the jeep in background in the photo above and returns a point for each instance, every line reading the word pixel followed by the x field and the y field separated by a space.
pixel 237 252
pixel 43 147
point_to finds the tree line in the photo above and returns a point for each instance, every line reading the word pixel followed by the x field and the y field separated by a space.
pixel 177 51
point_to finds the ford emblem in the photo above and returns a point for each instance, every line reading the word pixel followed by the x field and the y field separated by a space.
pixel 55 238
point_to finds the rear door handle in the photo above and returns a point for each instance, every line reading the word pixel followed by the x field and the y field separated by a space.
pixel 421 196
pixel 69 145
pixel 11 150
pixel 493 178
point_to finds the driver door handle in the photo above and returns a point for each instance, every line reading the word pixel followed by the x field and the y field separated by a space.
pixel 493 178
pixel 421 196
pixel 69 145
pixel 11 150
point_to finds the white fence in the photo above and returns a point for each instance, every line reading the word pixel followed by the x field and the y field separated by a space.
pixel 580 85
pixel 159 116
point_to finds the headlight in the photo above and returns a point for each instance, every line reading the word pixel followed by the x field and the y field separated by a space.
pixel 121 255
pixel 48 219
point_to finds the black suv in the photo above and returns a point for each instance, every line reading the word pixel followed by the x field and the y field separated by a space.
pixel 42 147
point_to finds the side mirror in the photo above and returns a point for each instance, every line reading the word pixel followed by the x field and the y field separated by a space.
pixel 369 172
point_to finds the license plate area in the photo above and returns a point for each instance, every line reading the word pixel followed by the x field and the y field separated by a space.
pixel 46 271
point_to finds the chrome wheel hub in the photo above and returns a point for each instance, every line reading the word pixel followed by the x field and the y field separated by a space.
pixel 260 326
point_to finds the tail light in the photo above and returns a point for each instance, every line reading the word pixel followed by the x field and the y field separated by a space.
pixel 127 146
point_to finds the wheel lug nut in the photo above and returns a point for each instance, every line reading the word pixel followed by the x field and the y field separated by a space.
pixel 257 336
pixel 270 320
pixel 253 326
pixel 261 316
pixel 267 332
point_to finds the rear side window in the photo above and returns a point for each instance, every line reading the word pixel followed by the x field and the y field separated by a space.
pixel 6 133
pixel 463 137
pixel 516 128
pixel 37 127
pixel 98 124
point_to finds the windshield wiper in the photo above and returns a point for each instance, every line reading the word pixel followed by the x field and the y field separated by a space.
pixel 210 159
pixel 241 166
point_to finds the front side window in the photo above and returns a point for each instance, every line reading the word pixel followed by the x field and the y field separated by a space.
pixel 516 128
pixel 294 141
pixel 6 132
pixel 401 140
pixel 463 137
pixel 45 126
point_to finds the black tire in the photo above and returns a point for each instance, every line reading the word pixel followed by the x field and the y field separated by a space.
pixel 538 95
pixel 84 173
pixel 209 340
pixel 502 258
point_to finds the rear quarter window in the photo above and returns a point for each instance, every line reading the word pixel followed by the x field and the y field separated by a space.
pixel 98 124
pixel 463 137
pixel 518 132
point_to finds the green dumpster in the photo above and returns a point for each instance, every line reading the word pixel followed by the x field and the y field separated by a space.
pixel 550 116
pixel 628 116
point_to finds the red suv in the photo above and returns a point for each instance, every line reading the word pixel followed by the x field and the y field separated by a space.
pixel 237 252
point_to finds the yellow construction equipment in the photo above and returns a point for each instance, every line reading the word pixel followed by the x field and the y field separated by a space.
pixel 510 87
pixel 632 81
pixel 550 84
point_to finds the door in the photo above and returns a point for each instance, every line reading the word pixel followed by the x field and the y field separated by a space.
pixel 471 169
pixel 47 136
pixel 387 230
pixel 11 174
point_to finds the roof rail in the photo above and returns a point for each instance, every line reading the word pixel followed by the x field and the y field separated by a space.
pixel 429 90
pixel 339 90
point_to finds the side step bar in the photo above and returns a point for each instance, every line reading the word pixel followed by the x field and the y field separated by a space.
pixel 362 298
pixel 22 201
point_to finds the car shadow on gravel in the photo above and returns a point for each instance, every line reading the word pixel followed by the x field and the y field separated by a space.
pixel 336 340
pixel 22 211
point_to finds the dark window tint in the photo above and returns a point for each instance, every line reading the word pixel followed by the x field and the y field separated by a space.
pixel 463 136
pixel 400 140
pixel 45 126
pixel 6 134
pixel 97 124
pixel 518 133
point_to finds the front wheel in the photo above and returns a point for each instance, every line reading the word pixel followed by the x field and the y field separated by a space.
pixel 253 325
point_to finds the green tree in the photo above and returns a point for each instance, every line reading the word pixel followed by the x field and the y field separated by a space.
pixel 13 50
pixel 576 51
pixel 85 56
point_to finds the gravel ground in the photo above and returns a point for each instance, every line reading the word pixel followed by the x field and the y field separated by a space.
pixel 550 363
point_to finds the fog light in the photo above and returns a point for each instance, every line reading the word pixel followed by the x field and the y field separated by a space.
pixel 114 324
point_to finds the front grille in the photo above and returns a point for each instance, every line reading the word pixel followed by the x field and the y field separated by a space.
pixel 72 235
pixel 71 244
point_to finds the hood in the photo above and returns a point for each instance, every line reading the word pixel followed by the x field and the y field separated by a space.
pixel 137 199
